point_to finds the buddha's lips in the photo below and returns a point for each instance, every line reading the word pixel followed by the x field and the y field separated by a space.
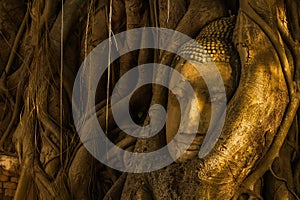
pixel 194 146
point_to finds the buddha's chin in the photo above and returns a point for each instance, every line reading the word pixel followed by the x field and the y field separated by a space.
pixel 188 155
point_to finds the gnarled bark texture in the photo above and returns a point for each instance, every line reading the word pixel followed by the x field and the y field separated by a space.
pixel 43 44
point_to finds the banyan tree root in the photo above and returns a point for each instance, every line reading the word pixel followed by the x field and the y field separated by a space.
pixel 254 114
pixel 43 142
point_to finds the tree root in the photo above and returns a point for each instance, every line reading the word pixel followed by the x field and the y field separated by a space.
pixel 285 182
pixel 15 46
pixel 14 117
pixel 291 110
pixel 116 190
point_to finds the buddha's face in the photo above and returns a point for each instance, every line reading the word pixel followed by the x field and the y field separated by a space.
pixel 202 102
